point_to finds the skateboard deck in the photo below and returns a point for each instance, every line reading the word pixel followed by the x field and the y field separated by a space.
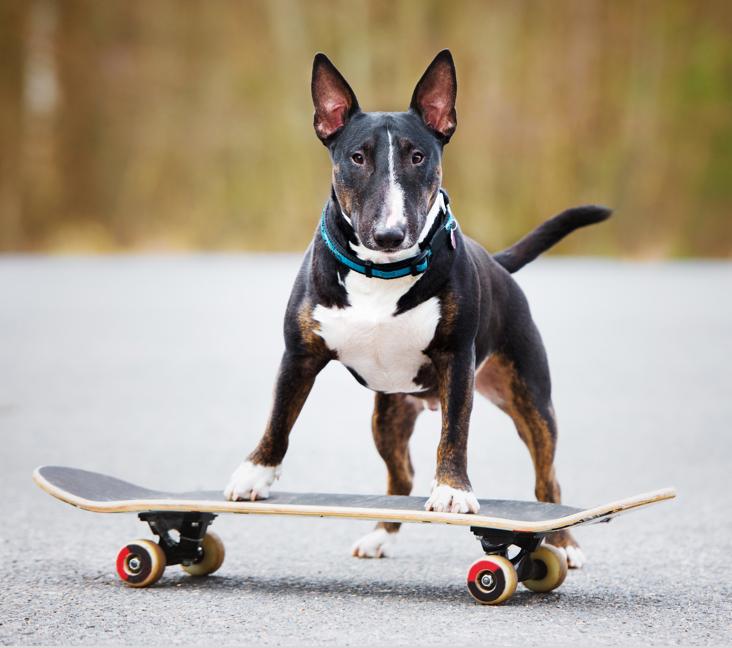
pixel 499 525
pixel 104 494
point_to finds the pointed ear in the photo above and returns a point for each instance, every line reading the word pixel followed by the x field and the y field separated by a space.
pixel 333 98
pixel 434 97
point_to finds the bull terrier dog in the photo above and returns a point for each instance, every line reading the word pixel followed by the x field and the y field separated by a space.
pixel 417 311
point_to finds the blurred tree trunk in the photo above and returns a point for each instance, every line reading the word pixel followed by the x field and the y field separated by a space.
pixel 79 120
pixel 13 15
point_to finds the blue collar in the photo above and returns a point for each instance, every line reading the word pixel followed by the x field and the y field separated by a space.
pixel 413 265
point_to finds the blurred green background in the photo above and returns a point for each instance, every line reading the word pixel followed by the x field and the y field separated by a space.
pixel 172 124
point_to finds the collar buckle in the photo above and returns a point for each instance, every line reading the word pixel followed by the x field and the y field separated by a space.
pixel 414 266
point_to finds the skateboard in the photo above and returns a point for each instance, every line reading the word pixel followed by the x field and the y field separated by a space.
pixel 181 522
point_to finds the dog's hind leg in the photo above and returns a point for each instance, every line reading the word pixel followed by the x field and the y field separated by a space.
pixel 525 397
pixel 392 425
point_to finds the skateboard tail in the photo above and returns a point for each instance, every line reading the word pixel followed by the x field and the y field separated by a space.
pixel 608 512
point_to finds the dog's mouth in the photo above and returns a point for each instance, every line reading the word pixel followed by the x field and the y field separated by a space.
pixel 388 250
pixel 376 254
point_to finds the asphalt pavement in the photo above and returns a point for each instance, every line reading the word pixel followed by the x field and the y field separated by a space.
pixel 159 370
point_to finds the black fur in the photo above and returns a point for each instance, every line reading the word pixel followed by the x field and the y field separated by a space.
pixel 549 234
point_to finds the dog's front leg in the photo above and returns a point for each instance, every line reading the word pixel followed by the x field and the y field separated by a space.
pixel 252 479
pixel 451 490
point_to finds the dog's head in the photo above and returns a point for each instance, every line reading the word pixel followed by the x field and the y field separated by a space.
pixel 386 165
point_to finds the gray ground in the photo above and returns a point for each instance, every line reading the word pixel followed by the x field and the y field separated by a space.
pixel 159 370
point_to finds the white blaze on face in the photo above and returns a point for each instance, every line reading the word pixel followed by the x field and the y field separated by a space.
pixel 394 195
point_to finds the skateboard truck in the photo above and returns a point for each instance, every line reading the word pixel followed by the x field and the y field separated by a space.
pixel 190 529
pixel 540 567
pixel 183 539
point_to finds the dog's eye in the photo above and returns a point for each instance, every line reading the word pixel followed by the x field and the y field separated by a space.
pixel 357 158
pixel 417 157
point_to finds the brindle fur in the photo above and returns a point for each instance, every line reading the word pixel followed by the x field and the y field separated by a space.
pixel 392 424
pixel 498 380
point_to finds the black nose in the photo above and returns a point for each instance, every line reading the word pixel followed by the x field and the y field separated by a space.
pixel 389 237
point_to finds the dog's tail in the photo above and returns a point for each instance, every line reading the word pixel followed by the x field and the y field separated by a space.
pixel 549 234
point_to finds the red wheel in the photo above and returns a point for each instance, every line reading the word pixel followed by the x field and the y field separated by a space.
pixel 140 563
pixel 492 580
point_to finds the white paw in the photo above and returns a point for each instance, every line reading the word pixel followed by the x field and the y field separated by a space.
pixel 446 499
pixel 575 557
pixel 251 482
pixel 377 544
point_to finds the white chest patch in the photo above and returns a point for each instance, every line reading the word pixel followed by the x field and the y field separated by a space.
pixel 384 349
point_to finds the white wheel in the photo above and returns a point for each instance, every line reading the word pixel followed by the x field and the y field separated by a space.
pixel 213 556
pixel 553 562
